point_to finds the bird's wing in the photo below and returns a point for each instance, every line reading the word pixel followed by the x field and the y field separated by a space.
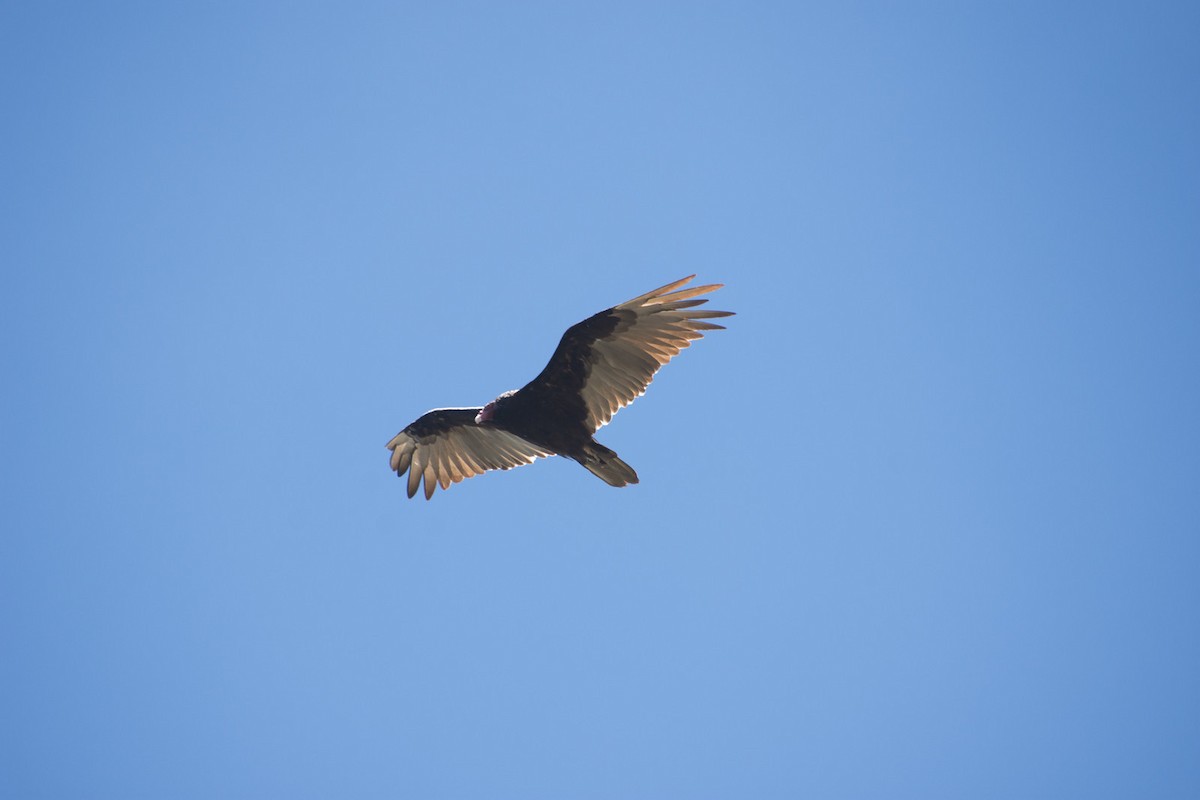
pixel 445 445
pixel 611 357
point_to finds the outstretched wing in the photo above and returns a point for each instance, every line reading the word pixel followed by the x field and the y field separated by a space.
pixel 609 359
pixel 445 445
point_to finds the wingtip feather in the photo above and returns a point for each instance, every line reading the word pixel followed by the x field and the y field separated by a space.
pixel 415 470
pixel 684 294
pixel 639 300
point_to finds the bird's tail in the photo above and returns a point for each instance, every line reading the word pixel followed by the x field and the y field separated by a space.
pixel 606 465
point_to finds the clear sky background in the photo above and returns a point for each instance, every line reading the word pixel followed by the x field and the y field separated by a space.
pixel 924 522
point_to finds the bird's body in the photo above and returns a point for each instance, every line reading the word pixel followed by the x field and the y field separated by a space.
pixel 600 365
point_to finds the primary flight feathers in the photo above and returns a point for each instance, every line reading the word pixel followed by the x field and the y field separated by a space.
pixel 600 366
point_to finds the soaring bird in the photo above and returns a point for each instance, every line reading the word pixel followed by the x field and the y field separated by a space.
pixel 600 366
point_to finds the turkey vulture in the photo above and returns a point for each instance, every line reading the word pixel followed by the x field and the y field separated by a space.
pixel 600 366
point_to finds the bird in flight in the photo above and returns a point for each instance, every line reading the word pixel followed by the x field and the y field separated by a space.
pixel 600 366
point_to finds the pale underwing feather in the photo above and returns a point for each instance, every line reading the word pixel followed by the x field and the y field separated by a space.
pixel 653 329
pixel 456 449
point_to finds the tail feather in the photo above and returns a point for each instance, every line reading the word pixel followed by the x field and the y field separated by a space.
pixel 606 465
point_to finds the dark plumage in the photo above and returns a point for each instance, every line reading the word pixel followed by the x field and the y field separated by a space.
pixel 600 366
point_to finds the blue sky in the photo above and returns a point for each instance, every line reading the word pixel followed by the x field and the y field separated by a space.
pixel 922 523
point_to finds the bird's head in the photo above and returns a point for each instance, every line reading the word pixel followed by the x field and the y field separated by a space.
pixel 488 412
